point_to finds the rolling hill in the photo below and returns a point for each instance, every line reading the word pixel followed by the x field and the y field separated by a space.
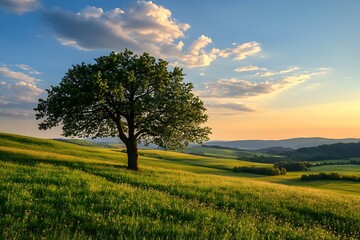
pixel 293 143
pixel 56 190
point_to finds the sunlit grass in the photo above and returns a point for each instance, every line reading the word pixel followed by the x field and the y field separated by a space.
pixel 221 152
pixel 62 191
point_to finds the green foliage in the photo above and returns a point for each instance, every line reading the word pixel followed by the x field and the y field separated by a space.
pixel 92 196
pixel 353 161
pixel 231 153
pixel 292 166
pixel 126 95
pixel 263 159
pixel 218 152
pixel 324 163
pixel 330 176
pixel 270 171
pixel 325 152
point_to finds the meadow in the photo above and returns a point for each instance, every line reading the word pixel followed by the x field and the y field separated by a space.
pixel 55 190
pixel 219 152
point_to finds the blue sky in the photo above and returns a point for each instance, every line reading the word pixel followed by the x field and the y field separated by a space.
pixel 265 69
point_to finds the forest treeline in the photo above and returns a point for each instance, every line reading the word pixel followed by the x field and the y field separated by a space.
pixel 325 152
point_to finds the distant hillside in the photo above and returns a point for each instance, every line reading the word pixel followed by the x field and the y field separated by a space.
pixel 111 141
pixel 79 142
pixel 293 143
pixel 104 140
pixel 276 150
pixel 88 143
pixel 325 152
pixel 222 152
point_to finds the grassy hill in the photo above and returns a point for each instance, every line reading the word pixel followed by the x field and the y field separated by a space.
pixel 219 152
pixel 323 152
pixel 55 190
pixel 287 143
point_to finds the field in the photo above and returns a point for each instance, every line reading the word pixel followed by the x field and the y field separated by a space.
pixel 55 190
pixel 222 152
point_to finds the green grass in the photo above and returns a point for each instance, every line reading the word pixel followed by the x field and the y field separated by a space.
pixel 333 161
pixel 221 152
pixel 349 169
pixel 54 190
pixel 293 178
pixel 214 152
pixel 80 142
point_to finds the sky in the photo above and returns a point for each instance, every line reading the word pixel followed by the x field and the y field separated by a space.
pixel 264 69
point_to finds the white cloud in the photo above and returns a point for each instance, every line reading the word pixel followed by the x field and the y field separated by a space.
pixel 197 47
pixel 6 72
pixel 269 74
pixel 241 52
pixel 94 12
pixel 20 6
pixel 18 91
pixel 239 88
pixel 142 26
pixel 28 69
pixel 249 69
pixel 151 22
pixel 25 91
pixel 235 88
pixel 197 56
pixel 179 46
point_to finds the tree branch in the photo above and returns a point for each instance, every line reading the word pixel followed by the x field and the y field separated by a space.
pixel 117 121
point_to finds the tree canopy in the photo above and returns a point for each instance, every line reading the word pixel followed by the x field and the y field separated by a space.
pixel 134 97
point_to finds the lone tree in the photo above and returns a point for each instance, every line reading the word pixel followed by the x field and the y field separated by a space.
pixel 133 97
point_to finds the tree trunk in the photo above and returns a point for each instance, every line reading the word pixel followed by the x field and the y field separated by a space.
pixel 132 153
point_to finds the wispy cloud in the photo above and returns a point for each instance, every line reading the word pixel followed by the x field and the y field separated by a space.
pixel 269 74
pixel 241 51
pixel 7 72
pixel 20 6
pixel 26 92
pixel 250 68
pixel 240 88
pixel 29 69
pixel 18 91
pixel 232 106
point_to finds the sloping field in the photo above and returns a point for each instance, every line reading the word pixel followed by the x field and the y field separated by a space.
pixel 54 190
